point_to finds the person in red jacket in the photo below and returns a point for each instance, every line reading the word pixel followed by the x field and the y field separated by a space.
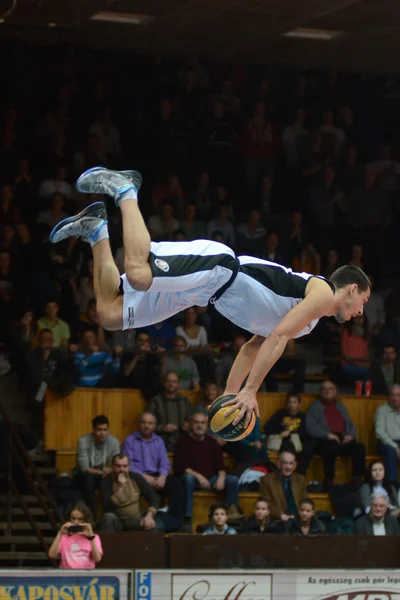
pixel 198 459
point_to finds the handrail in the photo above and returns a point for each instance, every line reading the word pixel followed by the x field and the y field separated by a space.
pixel 37 483
pixel 15 435
pixel 32 522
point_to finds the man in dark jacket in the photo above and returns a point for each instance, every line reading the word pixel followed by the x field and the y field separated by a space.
pixel 385 373
pixel 329 423
pixel 172 411
pixel 286 422
pixel 378 521
pixel 121 492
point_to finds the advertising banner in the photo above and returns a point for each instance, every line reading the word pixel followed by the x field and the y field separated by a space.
pixel 267 585
pixel 45 584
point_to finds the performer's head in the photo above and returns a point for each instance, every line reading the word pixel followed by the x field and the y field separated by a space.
pixel 353 288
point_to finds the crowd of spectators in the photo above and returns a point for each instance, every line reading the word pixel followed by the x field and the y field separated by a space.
pixel 293 167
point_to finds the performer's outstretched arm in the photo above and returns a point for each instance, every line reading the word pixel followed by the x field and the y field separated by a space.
pixel 243 364
pixel 316 304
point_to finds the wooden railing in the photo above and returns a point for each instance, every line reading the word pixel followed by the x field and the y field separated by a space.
pixel 68 418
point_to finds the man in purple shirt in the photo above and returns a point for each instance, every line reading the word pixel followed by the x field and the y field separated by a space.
pixel 147 453
pixel 148 457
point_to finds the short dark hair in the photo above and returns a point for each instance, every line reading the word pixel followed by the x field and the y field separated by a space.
pixel 119 456
pixel 100 420
pixel 45 330
pixel 350 274
pixel 214 507
pixel 308 501
pixel 261 499
pixel 291 395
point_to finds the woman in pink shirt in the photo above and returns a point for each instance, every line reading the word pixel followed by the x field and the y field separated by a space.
pixel 75 543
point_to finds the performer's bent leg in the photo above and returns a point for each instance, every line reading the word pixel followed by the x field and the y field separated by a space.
pixel 106 281
pixel 136 246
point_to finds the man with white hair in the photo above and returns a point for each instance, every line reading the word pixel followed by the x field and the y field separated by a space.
pixel 387 431
pixel 378 521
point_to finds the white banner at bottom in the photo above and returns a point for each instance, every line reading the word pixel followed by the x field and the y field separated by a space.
pixel 268 585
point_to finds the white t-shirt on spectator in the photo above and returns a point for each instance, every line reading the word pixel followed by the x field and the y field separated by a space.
pixel 198 342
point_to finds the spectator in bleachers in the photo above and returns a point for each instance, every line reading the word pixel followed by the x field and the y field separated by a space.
pixel 294 237
pixel 59 328
pixel 357 259
pixel 332 263
pixel 376 482
pixel 9 212
pixel 378 521
pixel 295 140
pixel 86 287
pixel 251 235
pixel 210 392
pixel 95 452
pixel 260 521
pixel 272 251
pixel 192 228
pixel 228 358
pixel 121 492
pixel 329 423
pixel 384 373
pixel 89 319
pixel 195 335
pixel 218 518
pixel 222 223
pixel 57 185
pixel 161 335
pixel 355 348
pixel 309 261
pixel 179 362
pixel 285 489
pixel 202 198
pixel 172 411
pixel 81 549
pixel 147 453
pixel 96 365
pixel 108 135
pixel 374 311
pixel 387 431
pixel 90 156
pixel 163 225
pixel 259 144
pixel 325 199
pixel 49 365
pixel 148 457
pixel 333 137
pixel 289 362
pixel 142 368
pixel 286 430
pixel 199 460
pixel 306 523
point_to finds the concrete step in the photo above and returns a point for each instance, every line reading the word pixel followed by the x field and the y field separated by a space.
pixel 25 526
pixel 16 511
pixel 22 539
pixel 28 498
pixel 25 556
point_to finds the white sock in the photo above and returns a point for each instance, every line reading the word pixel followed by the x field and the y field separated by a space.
pixel 102 234
pixel 131 194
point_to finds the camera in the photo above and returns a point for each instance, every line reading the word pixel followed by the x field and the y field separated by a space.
pixel 75 528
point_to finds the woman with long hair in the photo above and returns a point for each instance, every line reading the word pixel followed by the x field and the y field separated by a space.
pixel 376 481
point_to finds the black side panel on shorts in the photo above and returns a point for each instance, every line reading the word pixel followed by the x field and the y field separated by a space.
pixel 277 280
pixel 187 264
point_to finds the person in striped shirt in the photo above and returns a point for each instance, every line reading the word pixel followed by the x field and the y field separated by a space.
pixel 94 363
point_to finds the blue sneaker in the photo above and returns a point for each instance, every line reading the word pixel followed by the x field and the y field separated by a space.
pixel 86 225
pixel 100 180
